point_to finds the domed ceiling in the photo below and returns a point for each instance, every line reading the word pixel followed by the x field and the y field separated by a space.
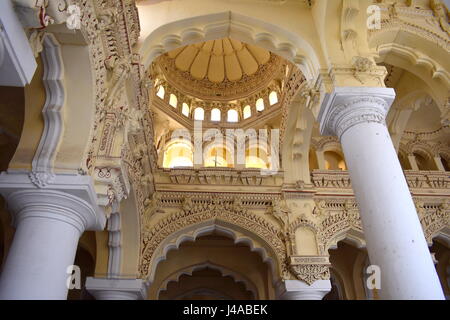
pixel 221 69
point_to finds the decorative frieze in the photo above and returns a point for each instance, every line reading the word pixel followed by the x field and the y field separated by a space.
pixel 427 179
pixel 335 179
pixel 220 176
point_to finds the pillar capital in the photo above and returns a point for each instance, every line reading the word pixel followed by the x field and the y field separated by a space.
pixel 66 198
pixel 117 289
pixel 349 106
pixel 299 290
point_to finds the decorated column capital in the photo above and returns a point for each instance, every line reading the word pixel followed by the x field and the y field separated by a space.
pixel 117 289
pixel 70 198
pixel 298 290
pixel 346 107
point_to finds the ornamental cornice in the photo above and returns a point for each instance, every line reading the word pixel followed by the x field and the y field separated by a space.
pixel 169 199
pixel 220 176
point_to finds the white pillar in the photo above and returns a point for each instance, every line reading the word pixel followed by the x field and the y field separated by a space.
pixel 299 290
pixel 48 225
pixel 395 239
pixel 321 159
pixel 438 162
pixel 117 289
pixel 413 162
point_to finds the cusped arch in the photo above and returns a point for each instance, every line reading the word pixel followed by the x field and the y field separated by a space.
pixel 225 272
pixel 351 235
pixel 251 30
pixel 224 218
pixel 439 229
pixel 427 66
pixel 345 225
pixel 421 148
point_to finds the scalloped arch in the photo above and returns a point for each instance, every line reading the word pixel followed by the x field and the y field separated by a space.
pixel 350 235
pixel 409 58
pixel 190 226
pixel 238 278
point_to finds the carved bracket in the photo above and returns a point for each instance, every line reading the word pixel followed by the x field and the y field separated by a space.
pixel 310 268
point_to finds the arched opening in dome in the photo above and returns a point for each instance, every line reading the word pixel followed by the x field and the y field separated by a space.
pixel 161 92
pixel 232 116
pixel 173 101
pixel 273 98
pixel 199 114
pixel 215 114
pixel 247 112
pixel 185 109
pixel 260 105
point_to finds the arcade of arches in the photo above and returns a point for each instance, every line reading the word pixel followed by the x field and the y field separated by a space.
pixel 323 152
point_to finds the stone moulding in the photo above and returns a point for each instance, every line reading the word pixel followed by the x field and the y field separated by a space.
pixel 42 165
pixel 218 176
pixel 330 179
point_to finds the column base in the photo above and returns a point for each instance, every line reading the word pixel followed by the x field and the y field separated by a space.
pixel 299 290
pixel 117 289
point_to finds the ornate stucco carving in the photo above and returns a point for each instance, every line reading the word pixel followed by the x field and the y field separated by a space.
pixel 118 119
pixel 195 211
pixel 310 268
pixel 281 212
pixel 225 90
pixel 434 216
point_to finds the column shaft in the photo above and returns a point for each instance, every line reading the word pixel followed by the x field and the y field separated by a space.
pixel 49 221
pixel 38 259
pixel 394 235
pixel 393 232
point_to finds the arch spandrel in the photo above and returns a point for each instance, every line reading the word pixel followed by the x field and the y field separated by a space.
pixel 195 219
